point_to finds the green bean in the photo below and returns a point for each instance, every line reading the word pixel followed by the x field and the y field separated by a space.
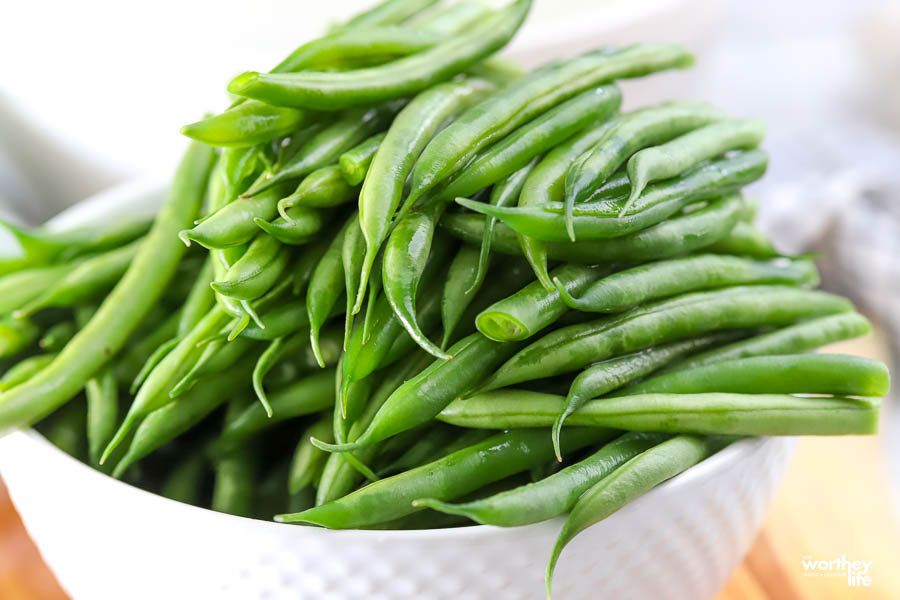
pixel 308 461
pixel 836 374
pixel 325 286
pixel 533 308
pixel 353 253
pixel 102 392
pixel 388 12
pixel 677 236
pixel 553 495
pixel 801 337
pixel 453 18
pixel 184 483
pixel 572 348
pixel 256 271
pixel 407 136
pixel 423 451
pixel 604 218
pixel 57 336
pixel 165 424
pixel 92 277
pixel 236 166
pixel 124 308
pixel 233 224
pixel 629 481
pixel 708 413
pixel 535 137
pixel 216 357
pixel 402 77
pixel 745 240
pixel 446 479
pixel 281 320
pixel 546 184
pixel 685 151
pixel 322 188
pixel 133 358
pixel 527 98
pixel 303 397
pixel 247 124
pixel 608 375
pixel 504 193
pixel 154 392
pixel 296 228
pixel 326 146
pixel 18 289
pixel 633 131
pixel 652 281
pixel 24 370
pixel 307 261
pixel 354 163
pixel 458 290
pixel 421 398
pixel 339 477
pixel 42 247
pixel 234 483
pixel 65 430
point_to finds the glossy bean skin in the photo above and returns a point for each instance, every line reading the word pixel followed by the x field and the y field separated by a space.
pixel 683 152
pixel 424 396
pixel 631 480
pixel 326 285
pixel 445 479
pixel 306 396
pixel 745 240
pixel 247 124
pixel 574 347
pixel 326 145
pixel 555 494
pixel 837 374
pixel 605 218
pixel 92 277
pixel 353 252
pixel 504 193
pixel 407 136
pixel 652 281
pixel 296 228
pixel 681 235
pixel 534 138
pixel 801 337
pixel 405 257
pixel 165 424
pixel 324 187
pixel 403 77
pixel 123 309
pixel 256 271
pixel 458 290
pixel 608 375
pixel 308 461
pixel 527 98
pixel 354 163
pixel 233 224
pixel 716 413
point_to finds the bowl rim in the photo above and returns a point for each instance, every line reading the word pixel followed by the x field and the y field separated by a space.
pixel 150 189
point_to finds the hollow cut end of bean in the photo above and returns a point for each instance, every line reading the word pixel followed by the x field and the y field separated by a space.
pixel 449 509
pixel 243 82
pixel 501 327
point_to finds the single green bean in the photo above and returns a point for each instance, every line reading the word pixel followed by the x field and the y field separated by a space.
pixel 20 288
pixel 233 224
pixel 458 289
pixel 388 12
pixel 354 163
pixel 24 370
pixel 297 228
pixel 353 254
pixel 102 392
pixel 256 271
pixel 308 461
pixel 745 240
pixel 322 188
pixel 247 124
pixel 57 336
pixel 123 309
pixel 326 285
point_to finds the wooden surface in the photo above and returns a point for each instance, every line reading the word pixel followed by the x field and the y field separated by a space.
pixel 834 502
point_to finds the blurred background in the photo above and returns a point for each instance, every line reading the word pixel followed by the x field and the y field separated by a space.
pixel 93 94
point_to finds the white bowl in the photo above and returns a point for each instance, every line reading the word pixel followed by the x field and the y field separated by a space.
pixel 105 539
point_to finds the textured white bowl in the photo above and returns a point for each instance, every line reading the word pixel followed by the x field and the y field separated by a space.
pixel 108 540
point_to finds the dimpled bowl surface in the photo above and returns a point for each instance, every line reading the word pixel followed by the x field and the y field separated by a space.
pixel 107 540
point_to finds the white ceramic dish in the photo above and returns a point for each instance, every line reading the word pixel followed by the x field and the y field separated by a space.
pixel 107 540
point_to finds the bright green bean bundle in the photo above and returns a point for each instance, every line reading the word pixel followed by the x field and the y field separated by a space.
pixel 363 305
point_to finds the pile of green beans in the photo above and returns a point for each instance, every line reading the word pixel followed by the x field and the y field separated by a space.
pixel 397 274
